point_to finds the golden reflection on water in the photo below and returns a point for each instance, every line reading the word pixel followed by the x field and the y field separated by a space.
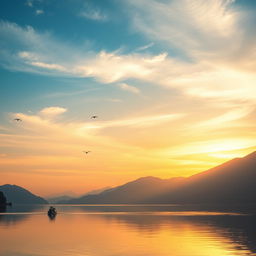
pixel 118 234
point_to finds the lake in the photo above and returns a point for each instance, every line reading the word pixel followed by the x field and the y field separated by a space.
pixel 130 230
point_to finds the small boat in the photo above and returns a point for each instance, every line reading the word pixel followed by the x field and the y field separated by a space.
pixel 52 212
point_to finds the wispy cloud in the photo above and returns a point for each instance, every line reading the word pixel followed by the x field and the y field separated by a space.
pixel 142 121
pixel 227 119
pixel 111 67
pixel 39 12
pixel 216 145
pixel 182 23
pixel 29 3
pixel 52 111
pixel 93 13
pixel 46 115
pixel 144 47
pixel 49 66
pixel 129 88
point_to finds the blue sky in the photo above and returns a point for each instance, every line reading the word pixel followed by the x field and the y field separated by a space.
pixel 172 81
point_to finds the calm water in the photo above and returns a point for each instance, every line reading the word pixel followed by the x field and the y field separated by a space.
pixel 126 231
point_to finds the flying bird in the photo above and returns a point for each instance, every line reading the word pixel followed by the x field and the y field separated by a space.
pixel 17 119
pixel 94 117
pixel 86 152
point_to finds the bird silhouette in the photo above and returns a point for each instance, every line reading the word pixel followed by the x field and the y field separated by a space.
pixel 17 119
pixel 86 152
pixel 94 117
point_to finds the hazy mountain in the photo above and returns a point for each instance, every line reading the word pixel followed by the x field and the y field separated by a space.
pixel 97 191
pixel 57 199
pixel 63 198
pixel 64 193
pixel 19 195
pixel 231 182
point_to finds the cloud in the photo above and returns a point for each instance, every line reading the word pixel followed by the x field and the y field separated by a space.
pixel 39 12
pixel 142 121
pixel 129 88
pixel 203 31
pixel 45 118
pixel 111 67
pixel 52 111
pixel 24 49
pixel 216 145
pixel 29 3
pixel 50 66
pixel 144 47
pixel 227 119
pixel 30 51
pixel 46 115
pixel 94 15
pixel 182 23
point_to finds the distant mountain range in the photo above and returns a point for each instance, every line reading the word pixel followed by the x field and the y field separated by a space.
pixel 68 196
pixel 19 195
pixel 58 199
pixel 232 182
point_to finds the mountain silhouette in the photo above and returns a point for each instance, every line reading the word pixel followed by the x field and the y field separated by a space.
pixel 136 191
pixel 2 198
pixel 19 195
pixel 3 202
pixel 232 182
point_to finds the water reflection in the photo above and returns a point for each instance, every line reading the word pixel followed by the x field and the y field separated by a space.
pixel 127 230
pixel 11 215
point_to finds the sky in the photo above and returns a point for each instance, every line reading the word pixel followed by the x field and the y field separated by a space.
pixel 172 83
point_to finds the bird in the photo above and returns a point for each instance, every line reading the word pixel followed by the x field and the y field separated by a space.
pixel 94 117
pixel 17 119
pixel 86 152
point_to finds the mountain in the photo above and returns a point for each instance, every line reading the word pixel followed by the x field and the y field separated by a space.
pixel 138 191
pixel 19 195
pixel 67 197
pixel 232 182
pixel 97 191
pixel 57 199
pixel 2 199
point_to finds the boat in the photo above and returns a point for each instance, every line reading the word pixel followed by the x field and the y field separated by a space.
pixel 52 212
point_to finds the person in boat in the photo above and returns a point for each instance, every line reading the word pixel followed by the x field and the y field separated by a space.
pixel 52 212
